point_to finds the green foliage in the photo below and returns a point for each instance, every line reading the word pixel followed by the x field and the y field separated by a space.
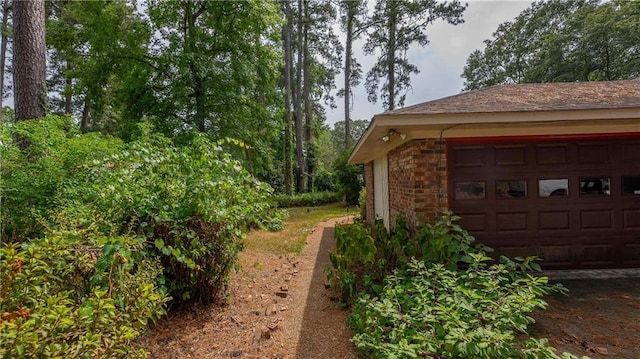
pixel 306 199
pixel 431 311
pixel 560 41
pixel 67 295
pixel 352 259
pixel 32 179
pixel 350 178
pixel 193 205
pixel 394 27
pixel 362 203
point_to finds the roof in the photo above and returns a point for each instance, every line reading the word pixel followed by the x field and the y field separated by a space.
pixel 535 97
pixel 509 110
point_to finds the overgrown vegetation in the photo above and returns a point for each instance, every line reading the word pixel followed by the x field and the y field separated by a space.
pixel 94 225
pixel 70 296
pixel 307 199
pixel 436 294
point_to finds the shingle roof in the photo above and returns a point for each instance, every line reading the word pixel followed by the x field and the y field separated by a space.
pixel 534 97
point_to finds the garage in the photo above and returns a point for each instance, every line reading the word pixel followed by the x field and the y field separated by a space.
pixel 573 202
pixel 549 170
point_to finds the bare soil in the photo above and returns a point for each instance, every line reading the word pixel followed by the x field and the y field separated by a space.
pixel 278 308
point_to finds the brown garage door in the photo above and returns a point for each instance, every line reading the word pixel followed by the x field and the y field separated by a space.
pixel 574 203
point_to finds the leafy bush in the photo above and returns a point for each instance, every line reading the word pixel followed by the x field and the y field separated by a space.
pixel 69 296
pixel 362 203
pixel 443 242
pixel 193 205
pixel 351 260
pixel 32 178
pixel 306 199
pixel 431 311
pixel 349 177
pixel 324 181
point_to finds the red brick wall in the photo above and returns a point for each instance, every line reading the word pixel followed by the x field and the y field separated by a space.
pixel 402 166
pixel 417 181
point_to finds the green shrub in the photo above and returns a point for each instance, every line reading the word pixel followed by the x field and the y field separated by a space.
pixel 324 181
pixel 306 199
pixel 362 203
pixel 431 311
pixel 193 204
pixel 349 177
pixel 444 242
pixel 68 296
pixel 31 179
pixel 352 259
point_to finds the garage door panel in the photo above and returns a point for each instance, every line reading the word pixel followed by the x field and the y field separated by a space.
pixel 631 153
pixel 552 154
pixel 512 221
pixel 631 219
pixel 598 254
pixel 596 219
pixel 510 155
pixel 593 153
pixel 631 253
pixel 560 254
pixel 554 220
pixel 474 222
pixel 588 228
pixel 468 156
pixel 515 251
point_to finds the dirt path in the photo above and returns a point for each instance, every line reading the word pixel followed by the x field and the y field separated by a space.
pixel 280 309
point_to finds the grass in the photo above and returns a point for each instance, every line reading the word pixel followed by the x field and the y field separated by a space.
pixel 296 229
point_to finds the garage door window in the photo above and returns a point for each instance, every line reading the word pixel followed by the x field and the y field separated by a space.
pixel 595 186
pixel 631 185
pixel 469 190
pixel 558 187
pixel 511 188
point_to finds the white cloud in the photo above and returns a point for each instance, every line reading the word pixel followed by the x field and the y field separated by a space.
pixel 441 62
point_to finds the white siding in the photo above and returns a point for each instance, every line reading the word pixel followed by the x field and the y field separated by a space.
pixel 381 189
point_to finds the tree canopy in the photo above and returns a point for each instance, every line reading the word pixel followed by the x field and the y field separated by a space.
pixel 560 41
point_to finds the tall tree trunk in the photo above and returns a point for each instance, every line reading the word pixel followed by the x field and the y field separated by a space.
pixel 308 107
pixel 68 97
pixel 6 7
pixel 84 120
pixel 391 54
pixel 29 58
pixel 286 42
pixel 347 77
pixel 298 106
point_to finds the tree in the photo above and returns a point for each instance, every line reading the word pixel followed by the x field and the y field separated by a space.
pixel 29 58
pixel 96 47
pixel 317 63
pixel 353 25
pixel 356 130
pixel 394 27
pixel 287 28
pixel 6 11
pixel 560 41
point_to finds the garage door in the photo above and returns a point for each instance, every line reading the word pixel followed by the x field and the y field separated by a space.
pixel 576 203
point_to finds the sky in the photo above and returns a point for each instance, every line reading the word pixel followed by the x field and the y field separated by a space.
pixel 441 62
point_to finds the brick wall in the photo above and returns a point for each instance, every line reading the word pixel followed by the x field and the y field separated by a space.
pixel 417 181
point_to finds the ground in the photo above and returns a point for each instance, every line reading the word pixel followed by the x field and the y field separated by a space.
pixel 600 318
pixel 279 308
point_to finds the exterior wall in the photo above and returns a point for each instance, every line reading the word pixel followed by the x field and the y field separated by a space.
pixel 418 181
pixel 368 180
